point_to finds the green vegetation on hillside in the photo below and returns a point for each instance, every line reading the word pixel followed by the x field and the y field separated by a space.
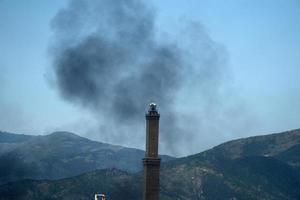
pixel 261 167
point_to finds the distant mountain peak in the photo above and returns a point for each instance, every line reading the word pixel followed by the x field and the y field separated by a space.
pixel 65 134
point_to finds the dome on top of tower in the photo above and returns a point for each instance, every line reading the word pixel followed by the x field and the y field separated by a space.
pixel 152 106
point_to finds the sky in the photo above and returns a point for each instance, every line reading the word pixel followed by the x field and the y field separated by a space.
pixel 259 38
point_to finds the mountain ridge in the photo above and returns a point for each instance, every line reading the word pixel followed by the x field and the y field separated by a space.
pixel 64 154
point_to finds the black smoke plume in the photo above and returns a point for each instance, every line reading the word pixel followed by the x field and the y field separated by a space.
pixel 108 57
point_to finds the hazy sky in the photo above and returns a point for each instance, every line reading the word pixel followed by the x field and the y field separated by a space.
pixel 261 38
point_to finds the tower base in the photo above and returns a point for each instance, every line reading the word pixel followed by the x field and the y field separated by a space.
pixel 151 178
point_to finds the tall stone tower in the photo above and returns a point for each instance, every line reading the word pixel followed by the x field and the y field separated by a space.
pixel 151 161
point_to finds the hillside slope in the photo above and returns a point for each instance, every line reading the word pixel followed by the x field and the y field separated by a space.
pixel 114 183
pixel 260 167
pixel 283 146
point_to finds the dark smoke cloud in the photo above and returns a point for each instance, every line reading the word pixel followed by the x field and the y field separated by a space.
pixel 108 58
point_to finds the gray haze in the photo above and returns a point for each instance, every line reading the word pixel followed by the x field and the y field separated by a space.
pixel 110 58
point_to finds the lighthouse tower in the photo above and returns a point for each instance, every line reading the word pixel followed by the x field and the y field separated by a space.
pixel 151 161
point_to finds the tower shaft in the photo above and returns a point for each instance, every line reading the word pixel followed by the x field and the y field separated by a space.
pixel 151 161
